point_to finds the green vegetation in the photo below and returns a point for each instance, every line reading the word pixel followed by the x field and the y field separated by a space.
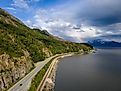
pixel 38 77
pixel 17 40
pixel 16 37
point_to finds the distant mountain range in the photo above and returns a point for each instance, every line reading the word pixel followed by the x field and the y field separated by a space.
pixel 104 44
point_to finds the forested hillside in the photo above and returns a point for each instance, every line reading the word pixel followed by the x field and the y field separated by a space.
pixel 21 46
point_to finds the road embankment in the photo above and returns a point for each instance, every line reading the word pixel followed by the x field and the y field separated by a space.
pixel 48 81
pixel 24 83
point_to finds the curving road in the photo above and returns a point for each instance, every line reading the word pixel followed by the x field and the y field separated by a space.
pixel 24 83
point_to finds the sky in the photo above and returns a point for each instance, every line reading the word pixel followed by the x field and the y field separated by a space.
pixel 74 20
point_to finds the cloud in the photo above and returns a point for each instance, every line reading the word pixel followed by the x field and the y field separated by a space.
pixel 80 20
pixel 20 4
pixel 35 0
pixel 116 27
pixel 96 12
pixel 49 20
pixel 23 4
pixel 10 8
pixel 76 35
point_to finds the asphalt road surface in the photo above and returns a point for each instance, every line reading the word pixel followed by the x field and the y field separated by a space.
pixel 24 83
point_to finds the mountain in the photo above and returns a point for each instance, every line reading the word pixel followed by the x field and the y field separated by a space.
pixel 45 32
pixel 104 44
pixel 21 47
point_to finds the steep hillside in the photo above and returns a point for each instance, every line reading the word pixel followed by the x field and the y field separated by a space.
pixel 21 46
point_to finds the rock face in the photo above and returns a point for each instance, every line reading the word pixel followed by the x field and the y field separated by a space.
pixel 21 46
pixel 47 52
pixel 13 69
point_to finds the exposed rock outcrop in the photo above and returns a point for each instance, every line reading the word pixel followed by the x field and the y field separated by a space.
pixel 17 41
pixel 47 52
pixel 13 69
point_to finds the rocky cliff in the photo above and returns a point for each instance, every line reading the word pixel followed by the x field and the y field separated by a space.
pixel 21 47
pixel 13 69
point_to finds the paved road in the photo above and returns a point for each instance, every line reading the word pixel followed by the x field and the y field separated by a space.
pixel 47 74
pixel 24 83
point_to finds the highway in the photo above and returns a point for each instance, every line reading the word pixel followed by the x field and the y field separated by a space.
pixel 49 71
pixel 24 83
pixel 47 74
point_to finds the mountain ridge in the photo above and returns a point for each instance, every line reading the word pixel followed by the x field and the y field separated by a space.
pixel 22 46
pixel 105 44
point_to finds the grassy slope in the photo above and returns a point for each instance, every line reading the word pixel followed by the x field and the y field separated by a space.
pixel 16 37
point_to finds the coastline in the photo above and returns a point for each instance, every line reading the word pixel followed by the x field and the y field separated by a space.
pixel 49 83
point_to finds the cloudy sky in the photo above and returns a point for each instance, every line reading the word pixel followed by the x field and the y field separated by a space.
pixel 74 20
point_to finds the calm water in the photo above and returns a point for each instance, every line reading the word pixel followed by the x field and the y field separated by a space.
pixel 100 71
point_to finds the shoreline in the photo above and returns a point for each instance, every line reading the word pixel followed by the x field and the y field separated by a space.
pixel 52 87
pixel 48 81
pixel 49 84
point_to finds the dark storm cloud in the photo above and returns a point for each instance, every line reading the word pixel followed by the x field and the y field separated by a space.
pixel 100 12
